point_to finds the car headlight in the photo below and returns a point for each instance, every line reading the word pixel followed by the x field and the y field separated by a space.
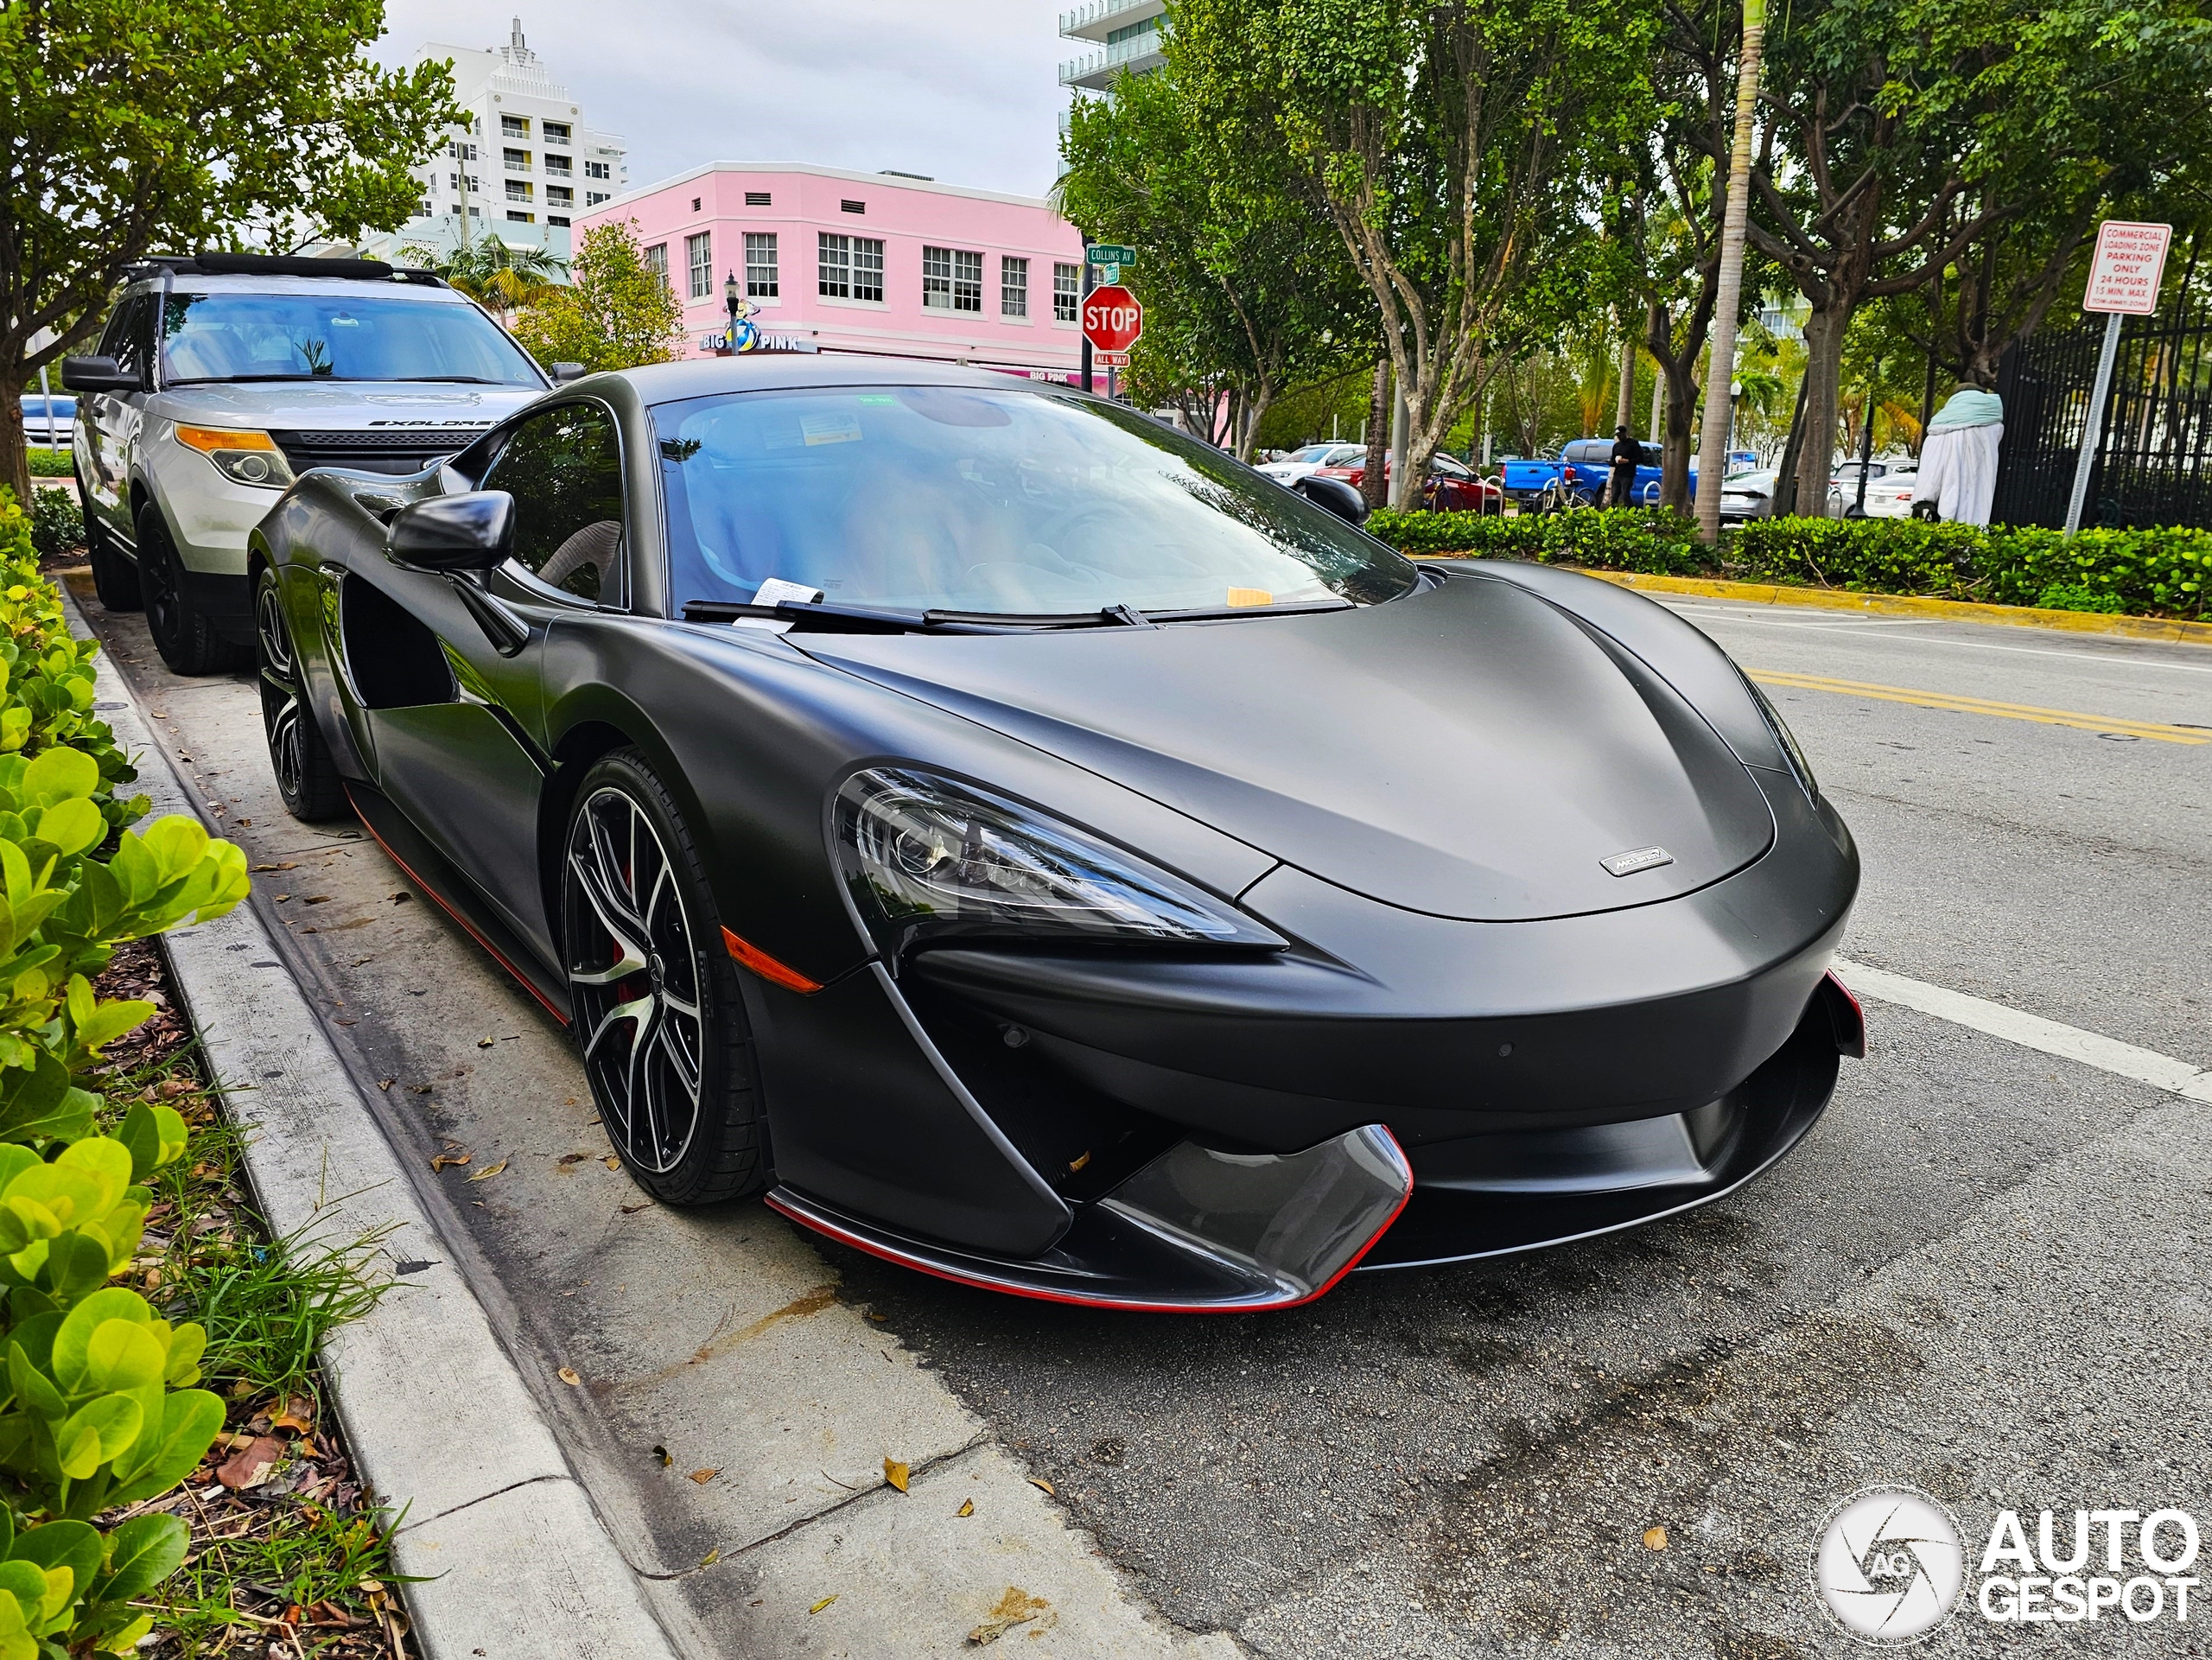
pixel 925 857
pixel 1785 737
pixel 242 457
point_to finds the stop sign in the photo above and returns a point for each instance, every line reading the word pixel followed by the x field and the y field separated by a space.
pixel 1112 319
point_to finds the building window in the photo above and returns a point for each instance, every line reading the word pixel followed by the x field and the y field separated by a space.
pixel 517 161
pixel 760 265
pixel 425 209
pixel 555 132
pixel 952 280
pixel 559 195
pixel 595 170
pixel 1014 287
pixel 759 199
pixel 520 190
pixel 656 261
pixel 514 126
pixel 461 152
pixel 699 260
pixel 560 165
pixel 1067 291
pixel 695 204
pixel 556 218
pixel 851 268
pixel 591 196
pixel 851 206
pixel 514 218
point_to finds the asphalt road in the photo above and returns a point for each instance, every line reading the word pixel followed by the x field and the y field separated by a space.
pixel 1983 1274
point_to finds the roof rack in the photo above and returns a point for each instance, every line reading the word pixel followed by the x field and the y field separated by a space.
pixel 215 262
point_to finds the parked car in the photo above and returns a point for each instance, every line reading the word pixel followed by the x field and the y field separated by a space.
pixel 221 379
pixel 1312 459
pixel 1748 494
pixel 1453 486
pixel 1843 486
pixel 1016 841
pixel 1576 477
pixel 51 421
pixel 1891 495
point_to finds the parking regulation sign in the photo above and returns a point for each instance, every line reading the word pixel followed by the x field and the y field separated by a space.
pixel 2130 262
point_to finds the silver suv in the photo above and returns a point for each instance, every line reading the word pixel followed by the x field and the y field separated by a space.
pixel 222 376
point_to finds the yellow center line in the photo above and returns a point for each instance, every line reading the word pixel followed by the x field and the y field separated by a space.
pixel 1960 704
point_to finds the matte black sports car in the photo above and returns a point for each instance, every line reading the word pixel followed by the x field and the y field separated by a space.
pixel 1031 847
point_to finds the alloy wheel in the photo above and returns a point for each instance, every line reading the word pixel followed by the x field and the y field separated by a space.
pixel 634 979
pixel 283 719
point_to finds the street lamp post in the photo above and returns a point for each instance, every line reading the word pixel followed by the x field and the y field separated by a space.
pixel 732 297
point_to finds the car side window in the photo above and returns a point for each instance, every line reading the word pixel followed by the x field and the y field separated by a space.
pixel 125 339
pixel 564 469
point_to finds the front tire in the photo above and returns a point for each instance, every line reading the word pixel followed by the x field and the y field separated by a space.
pixel 182 634
pixel 659 1011
pixel 307 775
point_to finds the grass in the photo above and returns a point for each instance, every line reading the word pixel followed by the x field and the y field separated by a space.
pixel 299 1563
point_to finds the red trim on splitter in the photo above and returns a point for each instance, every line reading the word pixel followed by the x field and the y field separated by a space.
pixel 447 906
pixel 775 973
pixel 1853 1042
pixel 1012 1289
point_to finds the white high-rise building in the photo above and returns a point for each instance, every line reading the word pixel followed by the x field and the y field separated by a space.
pixel 1122 35
pixel 526 165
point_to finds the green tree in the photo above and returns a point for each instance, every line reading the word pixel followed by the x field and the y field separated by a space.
pixel 131 127
pixel 1451 142
pixel 616 313
pixel 1246 289
pixel 500 278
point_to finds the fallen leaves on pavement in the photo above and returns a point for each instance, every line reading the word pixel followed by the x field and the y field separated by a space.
pixel 251 1464
pixel 895 1473
pixel 444 1158
pixel 967 1508
pixel 702 1477
pixel 1016 1607
pixel 567 1375
pixel 1655 1538
pixel 488 1171
pixel 1039 1482
pixel 824 1603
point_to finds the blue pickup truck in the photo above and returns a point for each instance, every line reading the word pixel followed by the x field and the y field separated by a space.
pixel 1576 477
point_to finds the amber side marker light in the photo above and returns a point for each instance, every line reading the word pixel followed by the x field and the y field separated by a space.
pixel 208 439
pixel 767 968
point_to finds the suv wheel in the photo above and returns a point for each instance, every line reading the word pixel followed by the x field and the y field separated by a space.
pixel 182 634
pixel 115 574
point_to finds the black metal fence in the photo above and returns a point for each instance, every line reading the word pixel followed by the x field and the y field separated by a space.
pixel 2154 466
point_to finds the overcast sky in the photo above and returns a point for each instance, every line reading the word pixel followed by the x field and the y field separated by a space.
pixel 962 90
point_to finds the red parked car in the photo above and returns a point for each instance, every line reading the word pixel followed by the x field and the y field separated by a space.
pixel 1453 486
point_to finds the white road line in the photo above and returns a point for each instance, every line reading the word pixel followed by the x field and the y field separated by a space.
pixel 1857 625
pixel 2031 1031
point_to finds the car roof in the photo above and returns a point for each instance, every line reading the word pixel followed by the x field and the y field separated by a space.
pixel 245 282
pixel 669 383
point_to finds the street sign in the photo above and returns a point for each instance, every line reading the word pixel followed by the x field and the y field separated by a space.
pixel 1112 320
pixel 1110 359
pixel 2130 261
pixel 1111 253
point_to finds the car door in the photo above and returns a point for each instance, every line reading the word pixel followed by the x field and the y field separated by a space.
pixel 467 769
pixel 112 419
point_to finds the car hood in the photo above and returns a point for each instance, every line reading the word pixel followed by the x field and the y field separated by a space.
pixel 1469 750
pixel 342 406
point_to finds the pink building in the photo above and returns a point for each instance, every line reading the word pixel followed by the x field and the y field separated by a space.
pixel 865 262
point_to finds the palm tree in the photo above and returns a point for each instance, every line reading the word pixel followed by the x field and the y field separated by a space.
pixel 500 278
pixel 1712 438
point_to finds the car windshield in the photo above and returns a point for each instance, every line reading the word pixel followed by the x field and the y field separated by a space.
pixel 335 336
pixel 984 499
pixel 1311 453
pixel 1747 481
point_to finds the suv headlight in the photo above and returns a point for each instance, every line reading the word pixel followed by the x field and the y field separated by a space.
pixel 925 857
pixel 242 457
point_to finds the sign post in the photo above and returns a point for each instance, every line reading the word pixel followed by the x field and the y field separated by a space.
pixel 2124 278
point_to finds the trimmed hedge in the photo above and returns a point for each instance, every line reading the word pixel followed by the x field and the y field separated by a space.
pixel 2164 573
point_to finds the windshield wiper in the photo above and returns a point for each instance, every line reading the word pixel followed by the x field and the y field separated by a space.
pixel 1219 612
pixel 830 617
pixel 460 381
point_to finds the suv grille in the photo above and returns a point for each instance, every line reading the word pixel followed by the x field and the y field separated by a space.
pixel 380 449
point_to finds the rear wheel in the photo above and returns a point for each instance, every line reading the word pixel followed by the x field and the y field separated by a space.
pixel 307 776
pixel 659 1011
pixel 182 632
pixel 115 576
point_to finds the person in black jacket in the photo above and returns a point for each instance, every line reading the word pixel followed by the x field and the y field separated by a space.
pixel 1628 455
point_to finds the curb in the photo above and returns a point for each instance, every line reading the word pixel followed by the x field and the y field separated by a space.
pixel 1896 605
pixel 514 1562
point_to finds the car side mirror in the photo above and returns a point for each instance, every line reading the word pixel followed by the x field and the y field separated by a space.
pixel 564 372
pixel 100 375
pixel 475 530
pixel 1334 494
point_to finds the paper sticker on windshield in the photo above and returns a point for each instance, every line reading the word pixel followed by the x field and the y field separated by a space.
pixel 834 427
pixel 1243 596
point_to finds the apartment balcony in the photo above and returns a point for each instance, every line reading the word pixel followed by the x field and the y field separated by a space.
pixel 518 192
pixel 1096 19
pixel 1095 72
